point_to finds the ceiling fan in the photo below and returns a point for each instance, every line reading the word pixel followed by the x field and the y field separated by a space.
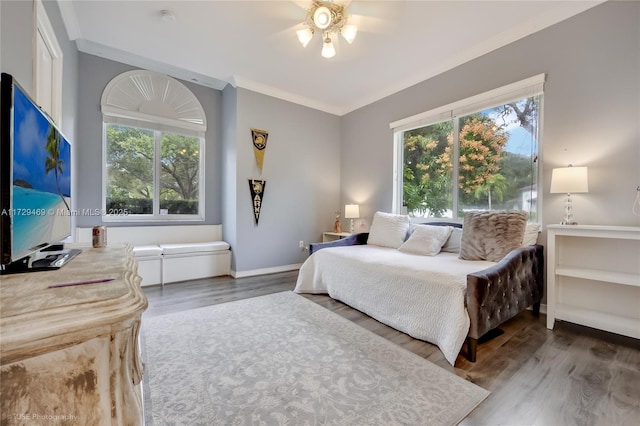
pixel 329 18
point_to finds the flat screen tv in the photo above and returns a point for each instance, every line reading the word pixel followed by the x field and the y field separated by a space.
pixel 35 183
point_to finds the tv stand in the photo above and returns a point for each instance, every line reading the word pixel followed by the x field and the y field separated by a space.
pixel 54 247
pixel 47 259
pixel 73 352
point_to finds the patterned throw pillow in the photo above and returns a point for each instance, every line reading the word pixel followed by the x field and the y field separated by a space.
pixel 388 230
pixel 426 240
pixel 491 235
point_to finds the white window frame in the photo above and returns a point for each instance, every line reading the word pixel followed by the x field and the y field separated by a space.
pixel 190 121
pixel 155 216
pixel 519 90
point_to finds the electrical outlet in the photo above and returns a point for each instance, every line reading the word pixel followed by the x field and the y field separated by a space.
pixel 301 245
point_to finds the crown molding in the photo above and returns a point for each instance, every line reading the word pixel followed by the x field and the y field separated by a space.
pixel 70 19
pixel 566 11
pixel 284 95
pixel 107 52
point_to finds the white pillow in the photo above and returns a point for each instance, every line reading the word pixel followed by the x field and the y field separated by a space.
pixel 452 245
pixel 426 240
pixel 530 234
pixel 388 230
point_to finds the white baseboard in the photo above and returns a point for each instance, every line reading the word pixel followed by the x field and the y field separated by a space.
pixel 265 271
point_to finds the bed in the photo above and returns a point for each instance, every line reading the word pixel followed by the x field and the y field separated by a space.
pixel 440 299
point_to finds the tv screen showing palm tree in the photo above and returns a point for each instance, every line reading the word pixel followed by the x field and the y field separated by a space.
pixel 41 179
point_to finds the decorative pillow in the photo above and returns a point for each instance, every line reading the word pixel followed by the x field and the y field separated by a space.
pixel 426 240
pixel 530 234
pixel 491 235
pixel 452 245
pixel 388 230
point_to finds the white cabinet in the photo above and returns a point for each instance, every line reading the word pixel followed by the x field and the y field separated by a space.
pixel 593 277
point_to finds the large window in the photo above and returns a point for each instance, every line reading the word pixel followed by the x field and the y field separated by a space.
pixel 477 154
pixel 151 172
pixel 153 149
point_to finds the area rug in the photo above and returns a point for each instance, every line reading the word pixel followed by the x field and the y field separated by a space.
pixel 281 359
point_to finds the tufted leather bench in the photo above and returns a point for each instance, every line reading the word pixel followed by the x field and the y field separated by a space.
pixel 502 291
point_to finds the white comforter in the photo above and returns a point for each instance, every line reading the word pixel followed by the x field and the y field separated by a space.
pixel 422 296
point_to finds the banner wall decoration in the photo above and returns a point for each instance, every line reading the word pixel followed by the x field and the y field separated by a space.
pixel 259 145
pixel 256 186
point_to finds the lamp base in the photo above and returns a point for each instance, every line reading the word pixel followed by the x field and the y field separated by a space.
pixel 568 214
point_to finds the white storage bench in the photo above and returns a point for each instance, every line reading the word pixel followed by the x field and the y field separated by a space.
pixel 167 254
pixel 149 259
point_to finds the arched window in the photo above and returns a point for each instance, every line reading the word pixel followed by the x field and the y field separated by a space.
pixel 153 145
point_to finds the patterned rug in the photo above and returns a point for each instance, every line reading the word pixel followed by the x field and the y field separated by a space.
pixel 281 359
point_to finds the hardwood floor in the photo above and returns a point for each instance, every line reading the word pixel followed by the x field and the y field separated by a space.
pixel 572 375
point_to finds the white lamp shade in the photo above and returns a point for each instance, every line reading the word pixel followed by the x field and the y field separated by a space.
pixel 569 180
pixel 351 211
pixel 304 36
pixel 328 51
pixel 349 33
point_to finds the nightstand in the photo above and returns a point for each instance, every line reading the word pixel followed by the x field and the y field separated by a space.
pixel 332 236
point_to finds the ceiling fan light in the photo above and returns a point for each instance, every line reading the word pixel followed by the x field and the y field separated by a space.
pixel 349 33
pixel 322 17
pixel 305 36
pixel 328 50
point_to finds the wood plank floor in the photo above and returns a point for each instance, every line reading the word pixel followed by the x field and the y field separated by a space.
pixel 572 375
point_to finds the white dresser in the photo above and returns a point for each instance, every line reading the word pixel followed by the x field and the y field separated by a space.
pixel 593 277
pixel 70 355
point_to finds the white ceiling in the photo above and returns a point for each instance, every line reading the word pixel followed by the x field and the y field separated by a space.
pixel 252 44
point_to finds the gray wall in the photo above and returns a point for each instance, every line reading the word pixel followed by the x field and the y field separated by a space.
pixel 316 162
pixel 302 170
pixel 16 43
pixel 16 52
pixel 591 113
pixel 229 169
pixel 301 166
pixel 16 56
pixel 94 74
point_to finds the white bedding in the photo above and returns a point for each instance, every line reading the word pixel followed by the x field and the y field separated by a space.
pixel 422 296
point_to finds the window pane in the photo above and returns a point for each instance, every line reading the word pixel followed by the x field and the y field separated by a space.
pixel 496 165
pixel 129 169
pixel 427 174
pixel 498 153
pixel 179 173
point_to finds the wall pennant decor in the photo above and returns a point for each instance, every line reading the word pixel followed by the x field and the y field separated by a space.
pixel 259 145
pixel 256 186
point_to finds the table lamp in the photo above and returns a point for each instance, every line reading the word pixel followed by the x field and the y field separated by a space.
pixel 569 180
pixel 351 211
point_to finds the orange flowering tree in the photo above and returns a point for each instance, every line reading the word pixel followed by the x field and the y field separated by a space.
pixel 429 167
pixel 482 144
